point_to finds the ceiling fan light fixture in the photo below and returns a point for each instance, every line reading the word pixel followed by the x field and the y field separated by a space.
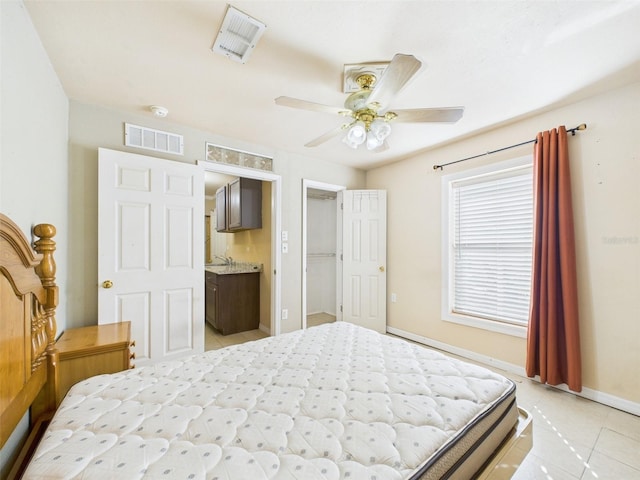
pixel 356 135
pixel 373 141
pixel 372 92
pixel 357 101
pixel 380 129
pixel 353 71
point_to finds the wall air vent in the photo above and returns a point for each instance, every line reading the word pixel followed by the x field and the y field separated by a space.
pixel 156 140
pixel 238 35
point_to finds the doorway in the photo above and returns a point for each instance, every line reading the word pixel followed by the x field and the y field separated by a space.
pixel 275 225
pixel 321 272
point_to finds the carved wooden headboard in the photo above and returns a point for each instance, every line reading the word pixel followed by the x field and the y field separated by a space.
pixel 28 300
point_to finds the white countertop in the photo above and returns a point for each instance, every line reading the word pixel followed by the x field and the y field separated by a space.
pixel 239 267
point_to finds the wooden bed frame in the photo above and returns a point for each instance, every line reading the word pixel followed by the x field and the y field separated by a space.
pixel 28 356
pixel 28 300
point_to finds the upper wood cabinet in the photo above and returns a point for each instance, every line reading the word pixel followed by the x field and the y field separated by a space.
pixel 221 209
pixel 240 203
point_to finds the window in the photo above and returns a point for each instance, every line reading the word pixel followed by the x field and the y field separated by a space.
pixel 487 246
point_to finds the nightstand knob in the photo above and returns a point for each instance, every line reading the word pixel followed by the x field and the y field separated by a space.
pixel 132 356
pixel 132 344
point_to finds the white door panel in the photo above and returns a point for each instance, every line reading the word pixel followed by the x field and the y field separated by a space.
pixel 135 305
pixel 150 213
pixel 364 258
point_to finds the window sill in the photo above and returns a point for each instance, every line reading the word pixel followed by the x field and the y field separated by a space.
pixel 484 324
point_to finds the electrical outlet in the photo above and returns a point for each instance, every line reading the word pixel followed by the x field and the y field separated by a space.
pixel 394 298
pixel 285 314
pixel 285 236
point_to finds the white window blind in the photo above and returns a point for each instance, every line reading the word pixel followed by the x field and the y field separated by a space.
pixel 491 245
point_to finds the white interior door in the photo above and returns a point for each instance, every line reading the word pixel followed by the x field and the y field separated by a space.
pixel 151 253
pixel 364 257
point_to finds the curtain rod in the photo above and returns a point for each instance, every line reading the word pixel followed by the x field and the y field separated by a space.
pixel 582 126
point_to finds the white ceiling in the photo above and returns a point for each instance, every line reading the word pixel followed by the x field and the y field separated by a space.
pixel 500 59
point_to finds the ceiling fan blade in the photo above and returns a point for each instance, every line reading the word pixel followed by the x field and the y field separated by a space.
pixel 327 136
pixel 306 105
pixel 445 115
pixel 395 76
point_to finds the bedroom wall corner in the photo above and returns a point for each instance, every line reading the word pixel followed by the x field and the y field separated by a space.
pixel 605 178
pixel 34 118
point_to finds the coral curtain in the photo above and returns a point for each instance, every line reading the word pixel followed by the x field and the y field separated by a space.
pixel 553 339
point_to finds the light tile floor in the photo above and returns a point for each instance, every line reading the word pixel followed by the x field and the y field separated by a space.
pixel 214 340
pixel 573 438
pixel 320 318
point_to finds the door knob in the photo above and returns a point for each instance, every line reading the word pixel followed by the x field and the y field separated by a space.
pixel 107 284
pixel 381 268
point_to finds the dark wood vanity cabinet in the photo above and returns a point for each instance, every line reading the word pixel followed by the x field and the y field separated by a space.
pixel 211 299
pixel 239 205
pixel 232 301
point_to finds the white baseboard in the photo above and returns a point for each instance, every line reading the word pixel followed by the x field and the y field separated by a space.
pixel 264 329
pixel 595 395
pixel 322 311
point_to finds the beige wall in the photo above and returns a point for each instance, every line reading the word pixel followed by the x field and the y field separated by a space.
pixel 92 126
pixel 33 150
pixel 605 162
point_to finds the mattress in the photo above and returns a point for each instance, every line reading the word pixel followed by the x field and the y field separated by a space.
pixel 335 401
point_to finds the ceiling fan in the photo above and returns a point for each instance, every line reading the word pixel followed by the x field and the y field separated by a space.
pixel 368 108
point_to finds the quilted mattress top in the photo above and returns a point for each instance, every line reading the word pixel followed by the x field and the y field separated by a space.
pixel 332 402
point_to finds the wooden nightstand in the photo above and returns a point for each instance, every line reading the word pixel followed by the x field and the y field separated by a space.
pixel 88 351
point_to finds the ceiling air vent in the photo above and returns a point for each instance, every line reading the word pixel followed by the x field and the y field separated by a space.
pixel 238 35
pixel 156 140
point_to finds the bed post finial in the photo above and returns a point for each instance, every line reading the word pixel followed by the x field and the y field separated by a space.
pixel 46 246
pixel 46 270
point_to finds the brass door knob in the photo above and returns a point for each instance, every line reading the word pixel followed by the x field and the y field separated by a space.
pixel 107 284
pixel 381 268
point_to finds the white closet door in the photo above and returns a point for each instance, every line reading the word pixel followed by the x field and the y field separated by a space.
pixel 364 254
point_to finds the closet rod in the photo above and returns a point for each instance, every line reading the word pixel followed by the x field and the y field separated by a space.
pixel 582 126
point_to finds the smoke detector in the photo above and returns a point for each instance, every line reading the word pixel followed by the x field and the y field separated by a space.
pixel 159 111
